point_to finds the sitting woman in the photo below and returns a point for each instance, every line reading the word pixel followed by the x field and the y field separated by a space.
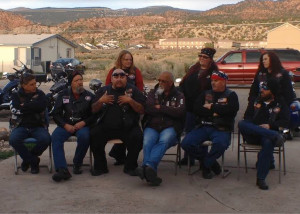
pixel 28 120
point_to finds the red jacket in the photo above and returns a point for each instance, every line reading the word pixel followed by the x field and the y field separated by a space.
pixel 138 80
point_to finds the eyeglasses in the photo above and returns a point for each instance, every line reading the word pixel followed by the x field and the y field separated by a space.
pixel 119 75
pixel 203 56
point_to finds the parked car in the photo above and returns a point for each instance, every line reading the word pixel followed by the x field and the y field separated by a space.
pixel 241 65
pixel 65 64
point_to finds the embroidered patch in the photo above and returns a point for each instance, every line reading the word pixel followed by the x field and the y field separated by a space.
pixel 276 110
pixel 88 98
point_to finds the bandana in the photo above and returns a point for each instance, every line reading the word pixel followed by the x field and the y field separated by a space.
pixel 219 75
pixel 209 52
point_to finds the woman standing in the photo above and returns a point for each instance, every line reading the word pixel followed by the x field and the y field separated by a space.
pixel 28 120
pixel 270 67
pixel 125 62
pixel 134 77
pixel 194 83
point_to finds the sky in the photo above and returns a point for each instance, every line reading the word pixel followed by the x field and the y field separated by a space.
pixel 201 5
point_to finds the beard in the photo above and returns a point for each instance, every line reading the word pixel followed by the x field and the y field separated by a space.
pixel 79 89
pixel 159 91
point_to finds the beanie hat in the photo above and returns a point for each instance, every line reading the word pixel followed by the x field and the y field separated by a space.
pixel 72 75
pixel 219 75
pixel 208 51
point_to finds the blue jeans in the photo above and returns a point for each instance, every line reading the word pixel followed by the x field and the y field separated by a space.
pixel 156 144
pixel 257 135
pixel 19 134
pixel 192 144
pixel 59 136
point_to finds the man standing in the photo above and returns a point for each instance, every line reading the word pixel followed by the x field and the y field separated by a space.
pixel 216 110
pixel 119 106
pixel 165 111
pixel 261 125
pixel 73 115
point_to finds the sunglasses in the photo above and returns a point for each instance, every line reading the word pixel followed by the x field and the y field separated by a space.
pixel 203 56
pixel 119 75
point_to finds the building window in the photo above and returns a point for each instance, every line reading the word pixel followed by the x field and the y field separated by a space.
pixel 36 56
pixel 69 53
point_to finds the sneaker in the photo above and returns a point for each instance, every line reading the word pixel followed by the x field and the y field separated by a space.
pixel 98 172
pixel 216 168
pixel 206 173
pixel 262 184
pixel 25 166
pixel 77 169
pixel 131 172
pixel 151 176
pixel 35 168
pixel 61 174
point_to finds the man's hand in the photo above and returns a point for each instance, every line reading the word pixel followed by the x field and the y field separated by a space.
pixel 69 128
pixel 124 99
pixel 157 106
pixel 266 126
pixel 79 125
pixel 207 105
pixel 107 99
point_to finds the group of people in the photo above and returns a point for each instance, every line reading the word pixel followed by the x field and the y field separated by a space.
pixel 202 107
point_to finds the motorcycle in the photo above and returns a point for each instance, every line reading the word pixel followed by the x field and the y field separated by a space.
pixel 13 84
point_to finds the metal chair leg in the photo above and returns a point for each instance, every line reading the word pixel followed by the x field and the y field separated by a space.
pixel 16 162
pixel 283 154
pixel 50 159
pixel 279 154
pixel 91 159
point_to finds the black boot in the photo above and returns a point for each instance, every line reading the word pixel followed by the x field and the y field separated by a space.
pixel 61 174
pixel 216 168
pixel 25 166
pixel 77 169
pixel 98 172
pixel 35 168
pixel 151 176
pixel 206 173
pixel 262 184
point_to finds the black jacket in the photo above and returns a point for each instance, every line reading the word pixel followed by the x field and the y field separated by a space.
pixel 28 109
pixel 286 88
pixel 68 110
pixel 275 113
pixel 171 112
pixel 225 106
pixel 113 116
pixel 194 83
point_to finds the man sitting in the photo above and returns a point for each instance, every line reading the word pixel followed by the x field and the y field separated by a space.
pixel 165 110
pixel 119 105
pixel 73 115
pixel 216 110
pixel 261 126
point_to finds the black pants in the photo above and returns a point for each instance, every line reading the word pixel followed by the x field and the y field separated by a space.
pixel 132 138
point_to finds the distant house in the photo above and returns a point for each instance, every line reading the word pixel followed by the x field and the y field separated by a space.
pixel 284 36
pixel 34 50
pixel 183 43
pixel 224 43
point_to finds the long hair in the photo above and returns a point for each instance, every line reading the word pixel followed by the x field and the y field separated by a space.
pixel 118 63
pixel 213 67
pixel 275 64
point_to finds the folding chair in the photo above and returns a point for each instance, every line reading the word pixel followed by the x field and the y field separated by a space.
pixel 244 147
pixel 113 141
pixel 74 139
pixel 30 143
pixel 177 154
pixel 224 172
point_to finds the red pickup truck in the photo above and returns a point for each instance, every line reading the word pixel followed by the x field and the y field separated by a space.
pixel 241 65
